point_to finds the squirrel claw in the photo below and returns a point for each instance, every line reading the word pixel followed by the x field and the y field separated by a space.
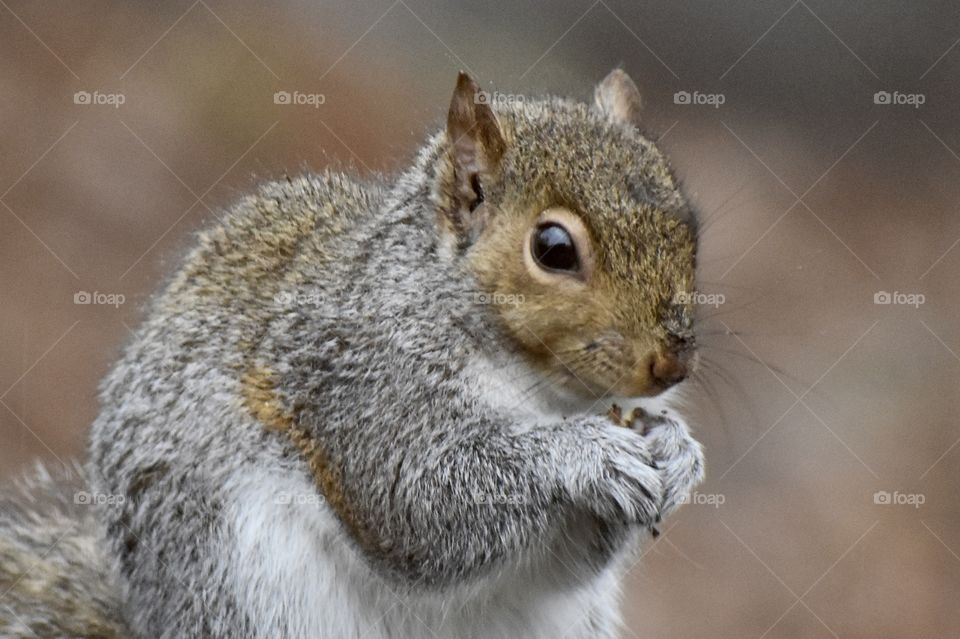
pixel 616 415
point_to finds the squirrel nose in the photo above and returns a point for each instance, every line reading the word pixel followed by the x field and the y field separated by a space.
pixel 667 369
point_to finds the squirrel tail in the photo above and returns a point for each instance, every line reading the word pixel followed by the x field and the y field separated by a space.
pixel 55 579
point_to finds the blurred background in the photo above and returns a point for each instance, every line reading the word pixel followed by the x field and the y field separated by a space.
pixel 818 140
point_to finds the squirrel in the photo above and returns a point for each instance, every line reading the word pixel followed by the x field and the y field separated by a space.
pixel 371 409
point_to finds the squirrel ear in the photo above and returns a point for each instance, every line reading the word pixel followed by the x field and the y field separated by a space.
pixel 618 98
pixel 476 146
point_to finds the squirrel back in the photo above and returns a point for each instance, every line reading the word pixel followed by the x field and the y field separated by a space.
pixel 55 574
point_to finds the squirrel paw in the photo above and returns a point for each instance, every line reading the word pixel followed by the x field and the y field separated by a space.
pixel 678 456
pixel 626 486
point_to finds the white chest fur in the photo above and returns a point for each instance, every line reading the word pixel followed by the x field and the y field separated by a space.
pixel 297 575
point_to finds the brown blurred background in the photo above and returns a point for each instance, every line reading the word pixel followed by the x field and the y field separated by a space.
pixel 816 198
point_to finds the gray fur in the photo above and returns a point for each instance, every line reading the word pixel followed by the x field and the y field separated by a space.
pixel 54 575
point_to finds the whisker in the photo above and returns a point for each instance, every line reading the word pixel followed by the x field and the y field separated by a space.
pixel 749 357
pixel 702 382
pixel 709 217
pixel 731 382
pixel 716 214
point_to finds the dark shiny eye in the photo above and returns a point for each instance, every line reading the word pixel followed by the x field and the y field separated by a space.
pixel 554 249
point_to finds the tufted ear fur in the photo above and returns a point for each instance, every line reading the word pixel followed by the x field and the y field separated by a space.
pixel 618 98
pixel 476 146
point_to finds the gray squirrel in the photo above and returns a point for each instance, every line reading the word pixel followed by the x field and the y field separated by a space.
pixel 371 410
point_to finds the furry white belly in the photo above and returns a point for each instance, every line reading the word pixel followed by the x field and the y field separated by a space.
pixel 295 573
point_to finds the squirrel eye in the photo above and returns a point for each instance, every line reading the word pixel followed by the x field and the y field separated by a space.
pixel 554 249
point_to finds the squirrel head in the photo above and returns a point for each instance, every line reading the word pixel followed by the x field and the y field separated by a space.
pixel 576 232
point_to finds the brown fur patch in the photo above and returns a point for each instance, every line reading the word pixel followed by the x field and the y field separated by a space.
pixel 262 402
